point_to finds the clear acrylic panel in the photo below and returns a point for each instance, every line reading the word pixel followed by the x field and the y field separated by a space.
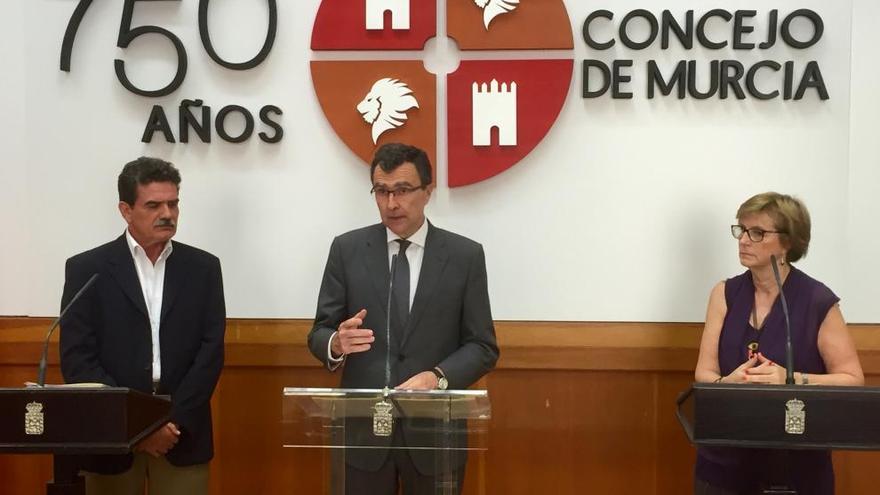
pixel 440 427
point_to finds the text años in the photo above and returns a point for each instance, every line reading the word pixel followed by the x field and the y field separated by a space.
pixel 157 120
pixel 192 114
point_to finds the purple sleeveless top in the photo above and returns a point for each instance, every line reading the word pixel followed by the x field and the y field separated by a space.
pixel 808 303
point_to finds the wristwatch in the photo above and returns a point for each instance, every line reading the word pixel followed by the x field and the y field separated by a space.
pixel 442 382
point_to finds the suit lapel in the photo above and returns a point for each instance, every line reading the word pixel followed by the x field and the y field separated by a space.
pixel 433 262
pixel 173 280
pixel 376 259
pixel 123 271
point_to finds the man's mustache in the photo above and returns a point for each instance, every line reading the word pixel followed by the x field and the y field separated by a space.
pixel 165 222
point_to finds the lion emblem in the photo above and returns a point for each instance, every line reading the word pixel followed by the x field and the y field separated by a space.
pixel 386 104
pixel 494 8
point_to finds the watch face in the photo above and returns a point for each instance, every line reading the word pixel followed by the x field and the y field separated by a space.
pixel 442 383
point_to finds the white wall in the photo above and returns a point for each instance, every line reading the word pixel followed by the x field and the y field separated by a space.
pixel 13 172
pixel 621 213
pixel 863 239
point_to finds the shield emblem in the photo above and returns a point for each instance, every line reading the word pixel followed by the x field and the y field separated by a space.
pixel 382 419
pixel 33 419
pixel 795 417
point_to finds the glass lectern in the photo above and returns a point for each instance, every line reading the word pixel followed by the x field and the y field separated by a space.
pixel 359 427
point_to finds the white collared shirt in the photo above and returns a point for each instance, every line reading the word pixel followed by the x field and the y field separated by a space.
pixel 152 279
pixel 415 253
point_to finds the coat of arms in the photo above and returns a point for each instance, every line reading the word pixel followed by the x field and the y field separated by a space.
pixel 382 420
pixel 33 419
pixel 795 417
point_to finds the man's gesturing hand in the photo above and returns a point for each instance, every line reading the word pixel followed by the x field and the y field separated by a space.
pixel 350 338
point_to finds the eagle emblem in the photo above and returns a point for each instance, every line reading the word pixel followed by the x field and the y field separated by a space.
pixel 494 8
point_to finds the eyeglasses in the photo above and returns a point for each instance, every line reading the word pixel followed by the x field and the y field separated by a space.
pixel 755 234
pixel 398 192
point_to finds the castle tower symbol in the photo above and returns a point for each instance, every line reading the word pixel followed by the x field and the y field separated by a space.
pixel 375 14
pixel 494 107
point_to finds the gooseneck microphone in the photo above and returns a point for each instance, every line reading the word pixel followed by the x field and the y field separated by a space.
pixel 41 376
pixel 388 323
pixel 789 353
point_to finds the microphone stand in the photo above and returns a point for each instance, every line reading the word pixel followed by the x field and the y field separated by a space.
pixel 780 459
pixel 789 353
pixel 41 374
pixel 383 419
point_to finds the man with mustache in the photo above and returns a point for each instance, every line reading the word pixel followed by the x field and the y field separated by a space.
pixel 153 321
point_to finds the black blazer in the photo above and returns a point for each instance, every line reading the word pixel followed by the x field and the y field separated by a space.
pixel 450 323
pixel 106 338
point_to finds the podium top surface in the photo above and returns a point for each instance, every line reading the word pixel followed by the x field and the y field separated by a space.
pixel 379 392
pixel 345 402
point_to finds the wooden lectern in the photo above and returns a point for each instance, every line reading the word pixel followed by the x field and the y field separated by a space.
pixel 70 421
pixel 783 417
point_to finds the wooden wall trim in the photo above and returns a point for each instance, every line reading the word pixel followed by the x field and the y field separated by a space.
pixel 622 346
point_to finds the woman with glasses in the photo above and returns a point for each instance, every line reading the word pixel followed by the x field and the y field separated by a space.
pixel 744 341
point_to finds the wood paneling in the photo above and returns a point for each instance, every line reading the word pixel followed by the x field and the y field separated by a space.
pixel 578 408
pixel 24 474
pixel 560 429
pixel 250 457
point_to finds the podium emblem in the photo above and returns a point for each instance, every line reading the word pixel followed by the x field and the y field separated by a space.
pixel 795 417
pixel 33 419
pixel 383 422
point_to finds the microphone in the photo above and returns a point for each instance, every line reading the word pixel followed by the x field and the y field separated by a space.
pixel 388 324
pixel 41 376
pixel 789 353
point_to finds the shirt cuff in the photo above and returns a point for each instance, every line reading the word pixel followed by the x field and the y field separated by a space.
pixel 332 362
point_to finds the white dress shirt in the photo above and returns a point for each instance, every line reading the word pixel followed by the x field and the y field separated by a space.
pixel 152 279
pixel 414 254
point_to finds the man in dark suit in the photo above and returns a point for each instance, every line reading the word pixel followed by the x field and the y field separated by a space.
pixel 153 321
pixel 442 333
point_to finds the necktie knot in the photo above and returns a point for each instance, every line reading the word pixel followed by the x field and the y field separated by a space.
pixel 403 245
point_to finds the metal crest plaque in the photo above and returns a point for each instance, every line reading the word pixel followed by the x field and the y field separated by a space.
pixel 33 419
pixel 383 422
pixel 795 417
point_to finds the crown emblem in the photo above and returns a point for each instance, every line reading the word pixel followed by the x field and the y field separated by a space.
pixel 795 405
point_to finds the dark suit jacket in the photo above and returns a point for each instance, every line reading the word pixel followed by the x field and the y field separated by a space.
pixel 450 323
pixel 106 338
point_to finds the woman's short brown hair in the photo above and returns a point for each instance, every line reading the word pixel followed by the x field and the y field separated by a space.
pixel 789 216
